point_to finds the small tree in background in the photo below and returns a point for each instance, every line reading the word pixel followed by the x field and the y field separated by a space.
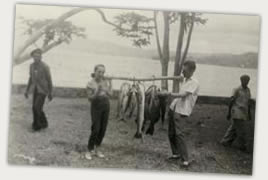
pixel 52 37
pixel 140 28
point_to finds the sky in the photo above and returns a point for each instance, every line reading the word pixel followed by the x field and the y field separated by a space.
pixel 223 33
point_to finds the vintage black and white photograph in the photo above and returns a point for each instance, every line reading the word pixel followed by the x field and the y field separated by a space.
pixel 133 89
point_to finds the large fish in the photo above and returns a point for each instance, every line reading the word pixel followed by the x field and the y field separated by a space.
pixel 140 110
pixel 152 107
pixel 135 105
pixel 123 100
pixel 132 102
pixel 165 101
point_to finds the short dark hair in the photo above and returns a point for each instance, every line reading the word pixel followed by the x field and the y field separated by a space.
pixel 245 77
pixel 38 50
pixel 95 69
pixel 190 64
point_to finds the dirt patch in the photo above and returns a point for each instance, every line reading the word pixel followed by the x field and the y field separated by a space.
pixel 65 141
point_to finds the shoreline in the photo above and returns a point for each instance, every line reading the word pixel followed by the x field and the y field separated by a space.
pixel 75 92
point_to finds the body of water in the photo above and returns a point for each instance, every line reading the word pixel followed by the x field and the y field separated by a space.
pixel 72 69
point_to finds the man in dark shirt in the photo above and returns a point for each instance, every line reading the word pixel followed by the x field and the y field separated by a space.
pixel 239 113
pixel 40 80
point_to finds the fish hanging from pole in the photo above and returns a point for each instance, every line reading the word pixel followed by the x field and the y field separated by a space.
pixel 141 106
pixel 135 105
pixel 123 100
pixel 152 107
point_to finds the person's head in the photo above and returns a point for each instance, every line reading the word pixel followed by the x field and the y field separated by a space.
pixel 244 80
pixel 36 54
pixel 99 71
pixel 188 69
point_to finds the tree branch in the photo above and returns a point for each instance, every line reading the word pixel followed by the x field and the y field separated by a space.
pixel 63 17
pixel 105 19
pixel 44 50
pixel 41 31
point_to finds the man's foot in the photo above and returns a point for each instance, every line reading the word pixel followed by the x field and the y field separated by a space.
pixel 89 155
pixel 185 163
pixel 99 154
pixel 174 157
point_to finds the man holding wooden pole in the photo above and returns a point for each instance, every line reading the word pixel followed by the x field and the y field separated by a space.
pixel 180 109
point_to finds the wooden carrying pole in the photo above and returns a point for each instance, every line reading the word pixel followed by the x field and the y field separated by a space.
pixel 145 79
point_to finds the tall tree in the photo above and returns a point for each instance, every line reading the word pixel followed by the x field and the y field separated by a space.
pixel 143 31
pixel 140 36
pixel 187 21
pixel 165 59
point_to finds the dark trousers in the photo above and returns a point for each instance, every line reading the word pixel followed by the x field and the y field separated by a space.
pixel 176 136
pixel 237 131
pixel 39 117
pixel 100 108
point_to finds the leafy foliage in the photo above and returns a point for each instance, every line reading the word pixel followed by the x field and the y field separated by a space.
pixel 136 27
pixel 139 28
pixel 173 17
pixel 189 17
pixel 62 32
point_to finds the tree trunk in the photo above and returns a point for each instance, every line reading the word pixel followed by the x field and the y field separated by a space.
pixel 165 59
pixel 178 53
pixel 157 36
pixel 187 43
pixel 164 68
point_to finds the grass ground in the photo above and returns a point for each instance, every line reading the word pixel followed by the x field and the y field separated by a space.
pixel 65 141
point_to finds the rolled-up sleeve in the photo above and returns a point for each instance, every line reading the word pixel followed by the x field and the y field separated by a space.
pixel 191 87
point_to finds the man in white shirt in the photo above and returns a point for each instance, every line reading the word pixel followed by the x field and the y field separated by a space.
pixel 181 108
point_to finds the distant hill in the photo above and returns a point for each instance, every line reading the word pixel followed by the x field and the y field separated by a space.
pixel 246 60
pixel 108 48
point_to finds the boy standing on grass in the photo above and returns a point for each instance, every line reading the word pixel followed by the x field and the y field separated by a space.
pixel 179 110
pixel 239 113
pixel 99 91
